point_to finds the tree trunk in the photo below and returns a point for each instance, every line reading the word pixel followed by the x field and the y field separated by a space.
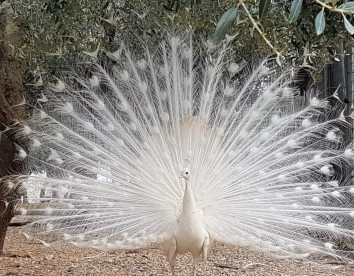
pixel 6 214
pixel 12 112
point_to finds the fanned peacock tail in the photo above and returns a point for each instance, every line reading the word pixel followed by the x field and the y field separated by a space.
pixel 267 171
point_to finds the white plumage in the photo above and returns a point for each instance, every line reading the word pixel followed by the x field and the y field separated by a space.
pixel 264 170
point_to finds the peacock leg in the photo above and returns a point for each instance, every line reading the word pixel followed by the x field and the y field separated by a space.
pixel 206 248
pixel 172 264
pixel 172 256
pixel 195 262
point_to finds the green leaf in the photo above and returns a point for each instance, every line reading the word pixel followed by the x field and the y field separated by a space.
pixel 320 22
pixel 295 10
pixel 348 25
pixel 224 25
pixel 347 6
pixel 264 7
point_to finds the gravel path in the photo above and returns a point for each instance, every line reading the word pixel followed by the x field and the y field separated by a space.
pixel 32 258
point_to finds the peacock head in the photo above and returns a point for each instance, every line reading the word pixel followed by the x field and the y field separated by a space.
pixel 185 174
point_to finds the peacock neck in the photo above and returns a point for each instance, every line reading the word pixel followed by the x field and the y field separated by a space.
pixel 189 205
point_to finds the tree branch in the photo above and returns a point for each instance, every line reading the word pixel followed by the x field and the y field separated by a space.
pixel 333 8
pixel 262 34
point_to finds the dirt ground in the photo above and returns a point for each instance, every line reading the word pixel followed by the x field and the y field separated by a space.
pixel 32 258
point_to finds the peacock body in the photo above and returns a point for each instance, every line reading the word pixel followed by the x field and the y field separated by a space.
pixel 175 148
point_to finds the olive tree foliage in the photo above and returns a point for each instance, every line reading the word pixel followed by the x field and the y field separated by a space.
pixel 307 32
pixel 310 33
pixel 58 30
